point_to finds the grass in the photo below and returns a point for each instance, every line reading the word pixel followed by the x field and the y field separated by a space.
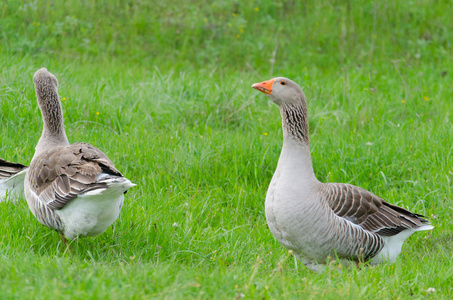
pixel 164 91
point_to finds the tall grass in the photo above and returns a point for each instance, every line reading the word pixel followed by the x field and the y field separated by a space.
pixel 163 88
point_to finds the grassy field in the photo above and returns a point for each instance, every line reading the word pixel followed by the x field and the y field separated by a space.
pixel 164 90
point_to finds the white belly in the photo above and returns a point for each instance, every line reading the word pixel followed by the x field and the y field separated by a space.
pixel 292 219
pixel 89 215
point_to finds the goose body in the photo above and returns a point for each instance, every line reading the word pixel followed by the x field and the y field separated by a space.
pixel 320 221
pixel 74 189
pixel 12 177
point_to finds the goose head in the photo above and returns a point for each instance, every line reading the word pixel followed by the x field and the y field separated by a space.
pixel 46 85
pixel 282 91
pixel 293 106
pixel 44 79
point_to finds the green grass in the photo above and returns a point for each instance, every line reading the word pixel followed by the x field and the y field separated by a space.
pixel 171 83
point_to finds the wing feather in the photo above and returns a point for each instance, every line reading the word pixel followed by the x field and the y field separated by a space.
pixel 8 169
pixel 367 210
pixel 63 173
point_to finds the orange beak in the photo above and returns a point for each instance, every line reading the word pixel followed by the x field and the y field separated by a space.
pixel 265 86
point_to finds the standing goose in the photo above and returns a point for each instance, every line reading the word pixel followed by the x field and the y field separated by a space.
pixel 74 189
pixel 316 220
pixel 11 179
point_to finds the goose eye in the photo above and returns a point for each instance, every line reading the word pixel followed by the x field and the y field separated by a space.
pixel 282 82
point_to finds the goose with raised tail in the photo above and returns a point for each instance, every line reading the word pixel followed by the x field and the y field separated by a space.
pixel 74 189
pixel 320 221
pixel 12 177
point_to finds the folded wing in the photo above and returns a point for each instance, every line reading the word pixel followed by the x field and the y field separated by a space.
pixel 69 171
pixel 367 210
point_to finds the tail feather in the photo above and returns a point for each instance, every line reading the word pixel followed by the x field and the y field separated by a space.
pixel 424 227
pixel 115 185
pixel 13 185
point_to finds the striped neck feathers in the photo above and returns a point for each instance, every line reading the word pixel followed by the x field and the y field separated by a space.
pixel 295 121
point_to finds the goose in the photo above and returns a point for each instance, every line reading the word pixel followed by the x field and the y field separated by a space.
pixel 12 177
pixel 74 189
pixel 319 221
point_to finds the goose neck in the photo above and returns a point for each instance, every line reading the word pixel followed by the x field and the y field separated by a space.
pixel 53 133
pixel 295 156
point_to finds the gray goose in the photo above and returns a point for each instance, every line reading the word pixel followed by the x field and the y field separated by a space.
pixel 74 189
pixel 319 221
pixel 12 177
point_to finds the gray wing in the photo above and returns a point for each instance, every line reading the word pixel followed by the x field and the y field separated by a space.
pixel 63 173
pixel 8 169
pixel 367 210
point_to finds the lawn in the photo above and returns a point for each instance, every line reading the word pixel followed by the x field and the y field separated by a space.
pixel 163 88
